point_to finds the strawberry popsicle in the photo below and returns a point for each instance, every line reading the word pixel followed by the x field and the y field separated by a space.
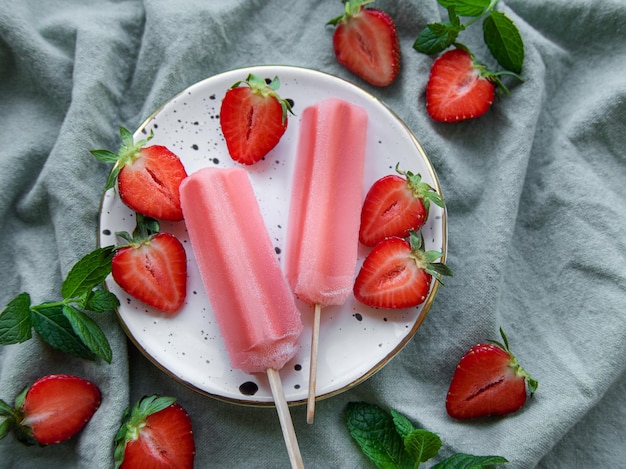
pixel 324 215
pixel 252 302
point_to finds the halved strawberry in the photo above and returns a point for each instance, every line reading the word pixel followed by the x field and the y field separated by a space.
pixel 152 267
pixel 488 381
pixel 397 273
pixel 394 205
pixel 253 118
pixel 147 177
pixel 53 409
pixel 156 434
pixel 366 43
pixel 459 88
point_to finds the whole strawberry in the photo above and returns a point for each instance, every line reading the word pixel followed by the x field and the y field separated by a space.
pixel 253 118
pixel 366 43
pixel 156 434
pixel 459 88
pixel 394 205
pixel 152 267
pixel 397 273
pixel 147 177
pixel 53 409
pixel 488 380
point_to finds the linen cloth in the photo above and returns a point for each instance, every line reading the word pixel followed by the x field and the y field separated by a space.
pixel 535 191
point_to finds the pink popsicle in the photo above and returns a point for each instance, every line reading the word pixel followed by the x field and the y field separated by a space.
pixel 252 302
pixel 327 193
pixel 325 210
pixel 253 305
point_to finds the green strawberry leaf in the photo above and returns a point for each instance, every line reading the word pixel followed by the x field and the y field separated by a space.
pixel 89 332
pixel 6 426
pixel 55 329
pixel 437 37
pixel 504 41
pixel 105 156
pixel 467 7
pixel 422 445
pixel 101 301
pixel 373 430
pixel 88 273
pixel 468 461
pixel 15 321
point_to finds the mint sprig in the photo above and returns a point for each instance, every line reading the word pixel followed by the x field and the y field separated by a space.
pixel 500 34
pixel 390 441
pixel 65 324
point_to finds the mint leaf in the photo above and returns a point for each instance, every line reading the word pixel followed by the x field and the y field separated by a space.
pixel 373 430
pixel 55 329
pixel 101 301
pixel 88 273
pixel 437 37
pixel 467 7
pixel 403 425
pixel 89 332
pixel 504 41
pixel 422 445
pixel 467 461
pixel 15 321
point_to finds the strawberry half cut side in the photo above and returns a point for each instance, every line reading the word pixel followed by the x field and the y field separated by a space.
pixel 487 381
pixel 458 87
pixel 394 205
pixel 366 42
pixel 157 433
pixel 397 273
pixel 253 118
pixel 51 410
pixel 152 267
pixel 148 177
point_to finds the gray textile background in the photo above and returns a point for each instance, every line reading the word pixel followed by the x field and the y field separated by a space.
pixel 536 193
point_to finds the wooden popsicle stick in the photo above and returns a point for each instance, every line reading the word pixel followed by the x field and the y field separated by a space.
pixel 286 424
pixel 310 410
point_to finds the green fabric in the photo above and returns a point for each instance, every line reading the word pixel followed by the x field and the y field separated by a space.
pixel 535 191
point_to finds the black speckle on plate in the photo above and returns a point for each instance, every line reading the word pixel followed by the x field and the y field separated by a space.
pixel 249 388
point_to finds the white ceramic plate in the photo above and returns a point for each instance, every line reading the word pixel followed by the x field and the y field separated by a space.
pixel 355 341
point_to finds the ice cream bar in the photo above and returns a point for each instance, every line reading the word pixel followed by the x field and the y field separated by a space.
pixel 325 211
pixel 327 194
pixel 252 302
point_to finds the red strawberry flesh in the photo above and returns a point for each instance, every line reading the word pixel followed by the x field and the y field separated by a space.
pixel 149 184
pixel 366 43
pixel 390 278
pixel 163 439
pixel 390 209
pixel 487 381
pixel 154 272
pixel 456 91
pixel 253 119
pixel 56 407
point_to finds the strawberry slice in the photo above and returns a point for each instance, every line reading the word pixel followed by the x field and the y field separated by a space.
pixel 53 409
pixel 488 380
pixel 459 88
pixel 152 267
pixel 397 273
pixel 366 43
pixel 253 118
pixel 156 434
pixel 394 205
pixel 147 177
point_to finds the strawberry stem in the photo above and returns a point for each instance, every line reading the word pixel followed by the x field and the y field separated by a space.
pixel 267 90
pixel 421 190
pixel 426 259
pixel 515 365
